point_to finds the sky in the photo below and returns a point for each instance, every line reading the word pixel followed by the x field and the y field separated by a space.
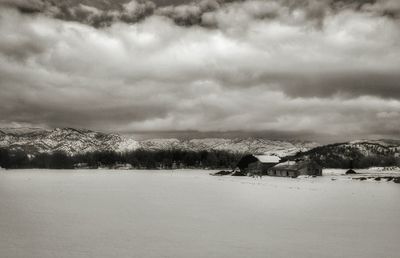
pixel 327 70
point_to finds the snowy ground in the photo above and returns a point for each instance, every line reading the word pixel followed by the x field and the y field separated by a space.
pixel 371 172
pixel 191 214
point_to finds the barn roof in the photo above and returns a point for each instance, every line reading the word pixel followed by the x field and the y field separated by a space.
pixel 293 165
pixel 286 163
pixel 267 158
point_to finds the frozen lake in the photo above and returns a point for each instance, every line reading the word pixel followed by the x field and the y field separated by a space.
pixel 104 213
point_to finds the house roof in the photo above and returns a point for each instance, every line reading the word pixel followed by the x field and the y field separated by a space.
pixel 267 158
pixel 286 164
pixel 293 165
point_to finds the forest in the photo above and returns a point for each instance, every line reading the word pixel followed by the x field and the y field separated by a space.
pixel 139 159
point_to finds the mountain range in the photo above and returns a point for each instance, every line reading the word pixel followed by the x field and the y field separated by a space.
pixel 73 141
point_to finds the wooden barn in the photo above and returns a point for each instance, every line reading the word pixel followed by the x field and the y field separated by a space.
pixel 295 169
pixel 257 164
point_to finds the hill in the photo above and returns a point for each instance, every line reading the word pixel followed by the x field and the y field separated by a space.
pixel 359 154
pixel 68 140
pixel 76 141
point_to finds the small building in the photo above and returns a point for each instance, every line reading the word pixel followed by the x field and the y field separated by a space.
pixel 295 169
pixel 257 164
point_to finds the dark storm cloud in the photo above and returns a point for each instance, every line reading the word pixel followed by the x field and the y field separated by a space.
pixel 202 12
pixel 299 67
pixel 327 84
pixel 25 6
pixel 347 85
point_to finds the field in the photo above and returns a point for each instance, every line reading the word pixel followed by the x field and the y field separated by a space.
pixel 188 213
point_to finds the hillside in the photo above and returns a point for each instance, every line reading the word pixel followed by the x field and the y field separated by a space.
pixel 68 140
pixel 74 141
pixel 249 145
pixel 360 154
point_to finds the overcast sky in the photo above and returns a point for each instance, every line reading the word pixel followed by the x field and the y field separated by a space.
pixel 298 68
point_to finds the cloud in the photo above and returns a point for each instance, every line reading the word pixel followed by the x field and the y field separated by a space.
pixel 24 6
pixel 389 8
pixel 128 12
pixel 305 66
pixel 208 13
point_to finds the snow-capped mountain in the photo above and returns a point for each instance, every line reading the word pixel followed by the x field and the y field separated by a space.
pixel 373 147
pixel 249 145
pixel 73 141
pixel 360 153
pixel 68 140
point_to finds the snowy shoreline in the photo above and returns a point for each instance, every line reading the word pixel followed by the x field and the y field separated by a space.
pixel 366 175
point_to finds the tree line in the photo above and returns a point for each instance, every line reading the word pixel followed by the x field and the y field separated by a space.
pixel 140 159
pixel 333 156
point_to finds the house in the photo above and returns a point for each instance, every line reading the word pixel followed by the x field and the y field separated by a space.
pixel 295 169
pixel 257 164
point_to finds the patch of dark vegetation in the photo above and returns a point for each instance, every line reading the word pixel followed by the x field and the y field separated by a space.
pixel 379 178
pixel 239 173
pixel 351 172
pixel 222 173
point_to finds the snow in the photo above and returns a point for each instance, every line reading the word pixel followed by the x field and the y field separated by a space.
pixel 268 159
pixel 374 171
pixel 127 145
pixel 187 213
pixel 71 141
pixel 286 163
pixel 250 145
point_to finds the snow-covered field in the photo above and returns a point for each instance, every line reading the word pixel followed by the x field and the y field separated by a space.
pixel 371 172
pixel 187 213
